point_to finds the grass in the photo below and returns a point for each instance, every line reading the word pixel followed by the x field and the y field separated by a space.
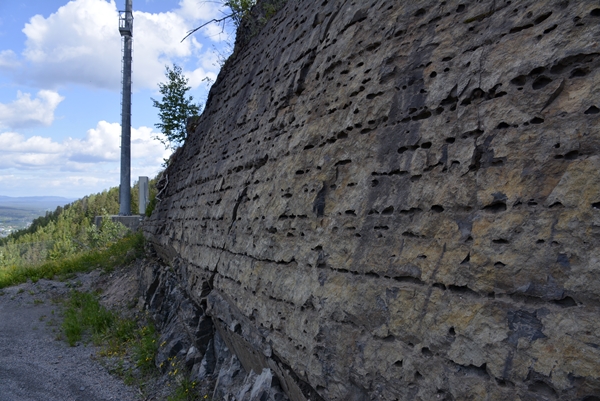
pixel 85 318
pixel 119 253
pixel 185 391
pixel 85 314
pixel 145 349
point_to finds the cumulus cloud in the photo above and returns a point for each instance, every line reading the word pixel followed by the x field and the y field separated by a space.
pixel 16 143
pixel 8 60
pixel 80 43
pixel 75 167
pixel 26 153
pixel 101 145
pixel 200 76
pixel 199 10
pixel 158 45
pixel 26 111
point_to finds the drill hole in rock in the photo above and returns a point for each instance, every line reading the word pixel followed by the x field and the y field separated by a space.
pixel 495 207
pixel 437 208
pixel 540 82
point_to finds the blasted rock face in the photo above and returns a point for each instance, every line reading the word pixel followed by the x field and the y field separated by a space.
pixel 400 200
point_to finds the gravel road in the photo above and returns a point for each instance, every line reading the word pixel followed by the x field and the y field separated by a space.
pixel 34 364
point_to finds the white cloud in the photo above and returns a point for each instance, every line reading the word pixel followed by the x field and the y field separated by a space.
pixel 28 112
pixel 27 153
pixel 16 143
pixel 200 10
pixel 71 185
pixel 76 166
pixel 101 144
pixel 145 148
pixel 8 60
pixel 198 77
pixel 80 43
pixel 159 45
pixel 98 150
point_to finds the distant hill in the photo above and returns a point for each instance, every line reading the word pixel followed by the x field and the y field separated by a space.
pixel 17 213
pixel 61 228
pixel 34 202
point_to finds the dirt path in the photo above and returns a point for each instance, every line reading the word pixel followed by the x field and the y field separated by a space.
pixel 34 365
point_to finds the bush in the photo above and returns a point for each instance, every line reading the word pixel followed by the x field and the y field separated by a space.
pixel 108 232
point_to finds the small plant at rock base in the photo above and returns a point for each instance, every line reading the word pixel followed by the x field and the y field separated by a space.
pixel 151 206
pixel 186 391
pixel 145 348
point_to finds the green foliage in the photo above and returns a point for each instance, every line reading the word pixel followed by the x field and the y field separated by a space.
pixel 175 108
pixel 186 391
pixel 120 337
pixel 153 192
pixel 84 313
pixel 151 206
pixel 120 253
pixel 66 232
pixel 108 232
pixel 239 9
pixel 270 11
pixel 178 373
pixel 145 348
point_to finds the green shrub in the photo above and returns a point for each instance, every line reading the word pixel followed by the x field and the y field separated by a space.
pixel 108 232
pixel 120 253
pixel 239 9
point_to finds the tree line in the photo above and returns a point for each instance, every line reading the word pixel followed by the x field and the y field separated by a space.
pixel 67 230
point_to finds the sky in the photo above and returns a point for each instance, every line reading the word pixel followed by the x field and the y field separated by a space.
pixel 60 87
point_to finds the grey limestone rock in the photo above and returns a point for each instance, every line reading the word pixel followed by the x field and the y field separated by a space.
pixel 399 200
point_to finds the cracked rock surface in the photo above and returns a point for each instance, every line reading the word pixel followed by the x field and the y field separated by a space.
pixel 400 201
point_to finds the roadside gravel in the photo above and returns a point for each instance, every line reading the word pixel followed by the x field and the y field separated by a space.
pixel 35 365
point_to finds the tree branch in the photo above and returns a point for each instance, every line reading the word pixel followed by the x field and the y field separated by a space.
pixel 206 23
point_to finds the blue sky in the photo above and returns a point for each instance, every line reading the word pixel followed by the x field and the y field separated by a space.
pixel 60 81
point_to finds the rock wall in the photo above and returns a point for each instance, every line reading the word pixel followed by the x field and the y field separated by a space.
pixel 400 200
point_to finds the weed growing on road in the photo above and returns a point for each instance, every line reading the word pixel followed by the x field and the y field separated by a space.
pixel 84 313
pixel 129 346
pixel 119 336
